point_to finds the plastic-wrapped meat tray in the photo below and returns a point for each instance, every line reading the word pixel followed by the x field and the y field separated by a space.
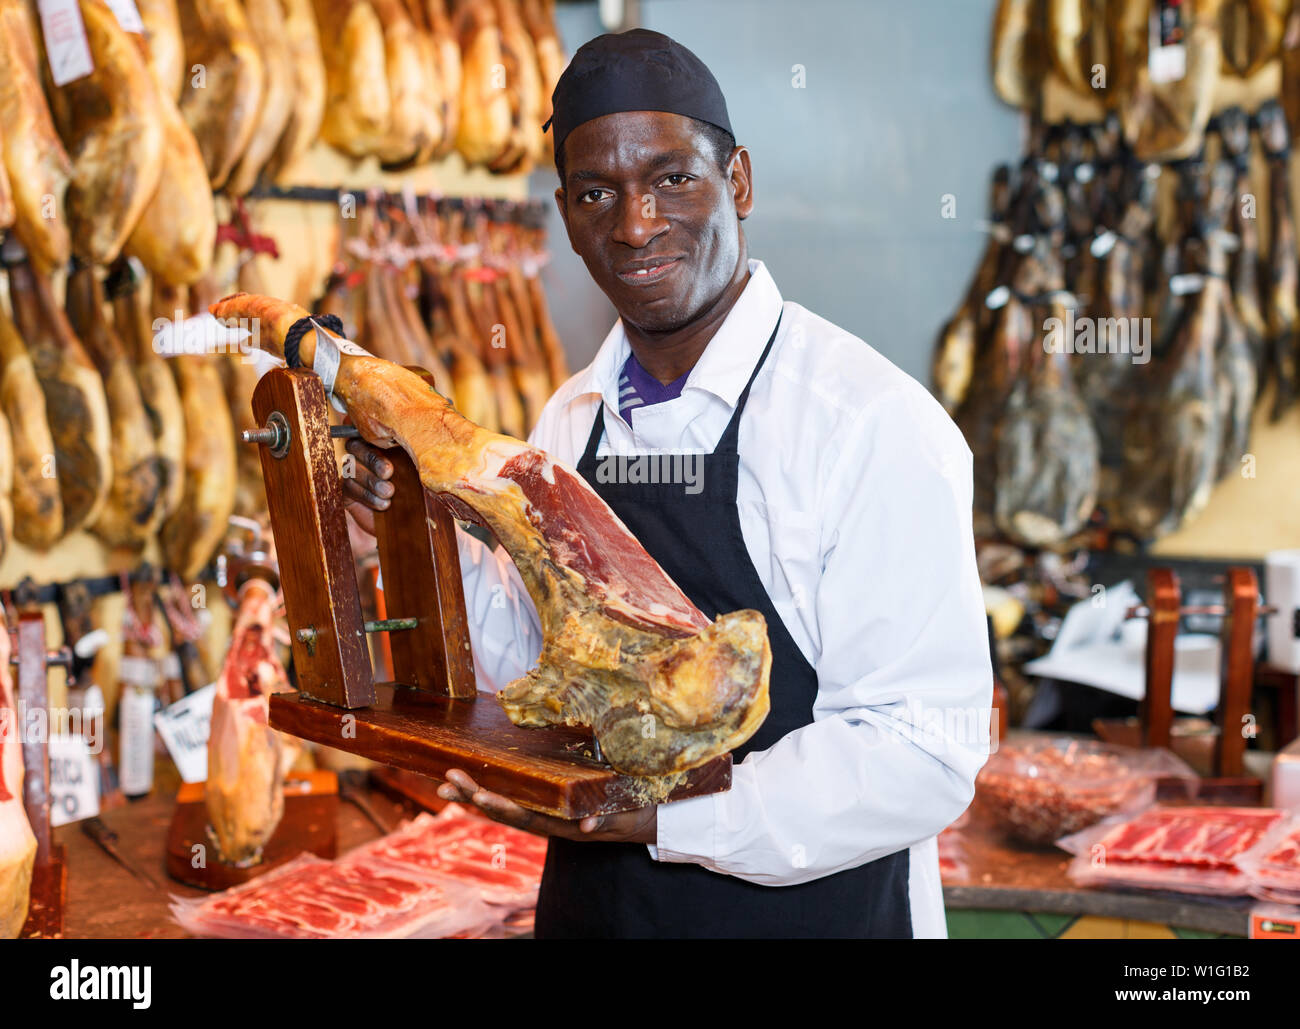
pixel 503 864
pixel 1184 849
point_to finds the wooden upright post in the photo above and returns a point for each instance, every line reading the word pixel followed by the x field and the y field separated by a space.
pixel 1156 711
pixel 1237 668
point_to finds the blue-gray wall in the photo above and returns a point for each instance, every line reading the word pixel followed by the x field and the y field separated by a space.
pixel 849 171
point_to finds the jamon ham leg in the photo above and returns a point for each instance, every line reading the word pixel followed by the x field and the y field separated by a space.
pixel 625 651
pixel 17 844
pixel 246 757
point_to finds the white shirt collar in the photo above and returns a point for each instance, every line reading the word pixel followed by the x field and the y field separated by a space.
pixel 727 361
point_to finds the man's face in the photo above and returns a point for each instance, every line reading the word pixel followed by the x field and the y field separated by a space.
pixel 652 215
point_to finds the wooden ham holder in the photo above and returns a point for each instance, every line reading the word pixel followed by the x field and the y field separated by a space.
pixel 49 890
pixel 432 717
pixel 1155 722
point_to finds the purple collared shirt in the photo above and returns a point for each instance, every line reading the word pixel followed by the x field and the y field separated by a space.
pixel 638 388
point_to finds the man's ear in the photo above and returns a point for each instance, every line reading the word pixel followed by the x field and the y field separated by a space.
pixel 561 205
pixel 742 181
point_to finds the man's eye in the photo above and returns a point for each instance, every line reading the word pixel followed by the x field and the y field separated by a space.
pixel 676 179
pixel 590 196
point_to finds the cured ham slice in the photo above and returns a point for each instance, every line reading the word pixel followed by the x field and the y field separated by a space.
pixel 38 509
pixel 17 844
pixel 112 125
pixel 351 898
pixel 38 167
pixel 504 864
pixel 625 651
pixel 246 766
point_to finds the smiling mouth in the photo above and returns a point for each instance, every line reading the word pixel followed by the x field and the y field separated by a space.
pixel 649 273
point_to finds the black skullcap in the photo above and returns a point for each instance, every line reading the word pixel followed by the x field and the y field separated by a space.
pixel 637 70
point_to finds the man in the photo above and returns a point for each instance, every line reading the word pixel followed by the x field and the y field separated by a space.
pixel 833 495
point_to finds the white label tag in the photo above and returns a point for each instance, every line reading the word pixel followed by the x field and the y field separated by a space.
pixel 346 346
pixel 184 728
pixel 1188 282
pixel 138 671
pixel 65 41
pixel 74 779
pixel 1104 243
pixel 135 734
pixel 127 15
pixel 1167 63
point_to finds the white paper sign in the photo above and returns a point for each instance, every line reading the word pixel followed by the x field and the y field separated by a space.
pixel 184 729
pixel 74 779
pixel 65 40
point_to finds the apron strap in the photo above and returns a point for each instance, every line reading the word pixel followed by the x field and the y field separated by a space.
pixel 729 435
pixel 727 444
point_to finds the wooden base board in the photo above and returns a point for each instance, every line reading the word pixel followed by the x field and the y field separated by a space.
pixel 548 770
pixel 49 898
pixel 309 826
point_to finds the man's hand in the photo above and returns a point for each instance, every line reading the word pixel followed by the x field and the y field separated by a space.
pixel 639 826
pixel 368 490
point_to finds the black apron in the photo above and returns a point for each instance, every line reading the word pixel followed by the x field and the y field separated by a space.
pixel 616 889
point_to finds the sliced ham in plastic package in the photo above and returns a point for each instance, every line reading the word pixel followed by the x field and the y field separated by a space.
pixel 1040 788
pixel 503 864
pixel 1273 864
pixel 1183 849
pixel 310 898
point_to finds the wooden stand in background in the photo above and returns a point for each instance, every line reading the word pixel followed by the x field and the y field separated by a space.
pixel 311 807
pixel 49 891
pixel 1155 722
pixel 432 718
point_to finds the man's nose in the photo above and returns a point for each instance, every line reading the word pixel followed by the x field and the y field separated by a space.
pixel 638 223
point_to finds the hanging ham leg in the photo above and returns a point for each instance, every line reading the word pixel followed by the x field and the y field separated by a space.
pixel 246 766
pixel 130 515
pixel 625 651
pixel 112 125
pixel 162 402
pixel 74 398
pixel 1234 128
pixel 1284 265
pixel 17 844
pixel 193 531
pixel 38 509
pixel 34 158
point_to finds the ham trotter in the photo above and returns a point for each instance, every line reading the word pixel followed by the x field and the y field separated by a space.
pixel 625 651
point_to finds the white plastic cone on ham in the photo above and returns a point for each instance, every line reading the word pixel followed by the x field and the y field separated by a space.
pixel 17 844
pixel 625 651
pixel 247 759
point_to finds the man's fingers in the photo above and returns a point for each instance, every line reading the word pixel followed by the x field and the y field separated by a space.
pixel 372 457
pixel 358 492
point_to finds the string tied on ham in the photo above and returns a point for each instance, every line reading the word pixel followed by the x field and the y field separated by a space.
pixel 298 329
